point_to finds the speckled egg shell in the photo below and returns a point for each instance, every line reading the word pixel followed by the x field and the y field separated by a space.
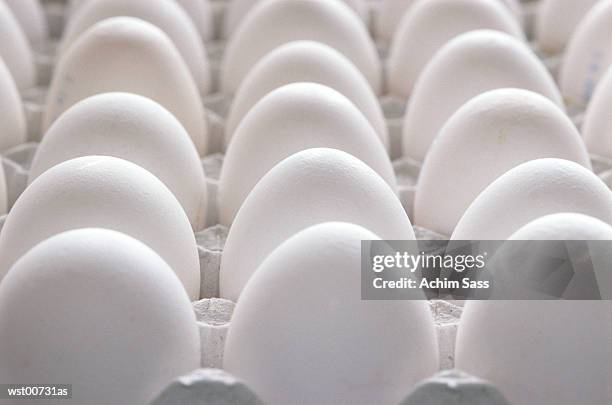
pixel 12 116
pixel 431 24
pixel 309 187
pixel 290 119
pixel 306 61
pixel 107 192
pixel 166 15
pixel 539 352
pixel 128 55
pixel 468 65
pixel 133 128
pixel 588 55
pixel 486 137
pixel 300 297
pixel 32 19
pixel 275 22
pixel 596 123
pixel 100 310
pixel 15 49
pixel 532 190
pixel 237 10
pixel 556 22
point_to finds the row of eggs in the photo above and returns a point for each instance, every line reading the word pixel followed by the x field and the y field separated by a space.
pixel 308 188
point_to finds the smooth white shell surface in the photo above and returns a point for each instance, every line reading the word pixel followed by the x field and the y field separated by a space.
pixel 288 120
pixel 3 191
pixel 306 61
pixel 323 334
pixel 468 65
pixel 532 190
pixel 101 310
pixel 596 124
pixel 128 55
pixel 539 352
pixel 12 116
pixel 309 187
pixel 486 137
pixel 556 22
pixel 393 11
pixel 431 24
pixel 165 14
pixel 15 49
pixel 588 55
pixel 237 10
pixel 106 192
pixel 32 19
pixel 133 128
pixel 275 22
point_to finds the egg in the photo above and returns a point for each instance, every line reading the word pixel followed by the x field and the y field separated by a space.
pixel 290 119
pixel 307 188
pixel 200 12
pixel 3 192
pixel 468 65
pixel 237 10
pixel 556 21
pixel 275 22
pixel 306 61
pixel 486 137
pixel 15 49
pixel 588 54
pixel 166 15
pixel 529 191
pixel 133 128
pixel 128 55
pixel 286 340
pixel 539 352
pixel 107 192
pixel 99 310
pixel 393 11
pixel 431 24
pixel 595 125
pixel 31 17
pixel 12 116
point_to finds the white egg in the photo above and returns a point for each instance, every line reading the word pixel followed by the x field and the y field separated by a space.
pixel 301 333
pixel 306 61
pixel 309 187
pixel 106 192
pixel 133 128
pixel 12 115
pixel 98 310
pixel 532 190
pixel 486 137
pixel 128 55
pixel 468 65
pixel 200 12
pixel 275 22
pixel 3 191
pixel 166 15
pixel 556 21
pixel 288 120
pixel 539 352
pixel 596 123
pixel 237 10
pixel 393 11
pixel 32 19
pixel 15 49
pixel 431 24
pixel 588 54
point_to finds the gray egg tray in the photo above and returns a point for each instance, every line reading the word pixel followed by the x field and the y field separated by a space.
pixel 210 384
